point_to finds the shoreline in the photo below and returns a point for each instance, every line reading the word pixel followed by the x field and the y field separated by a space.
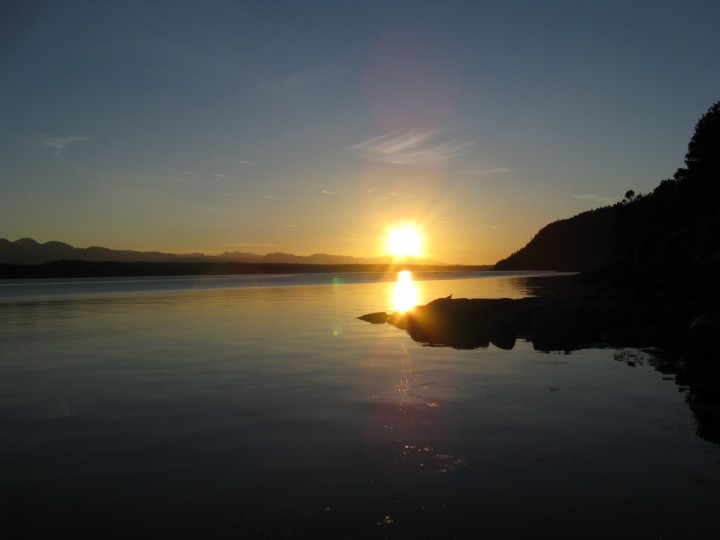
pixel 566 313
pixel 83 269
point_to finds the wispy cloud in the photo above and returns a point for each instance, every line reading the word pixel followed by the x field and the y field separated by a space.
pixel 597 198
pixel 494 171
pixel 296 82
pixel 233 160
pixel 279 198
pixel 380 196
pixel 322 189
pixel 412 147
pixel 290 136
pixel 58 144
pixel 140 177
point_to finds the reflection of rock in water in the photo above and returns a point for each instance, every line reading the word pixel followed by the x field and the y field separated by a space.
pixel 564 323
pixel 466 324
pixel 702 382
pixel 469 324
pixel 701 387
pixel 703 398
pixel 702 375
pixel 631 358
pixel 551 323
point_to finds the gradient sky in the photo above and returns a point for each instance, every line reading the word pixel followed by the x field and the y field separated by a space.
pixel 310 127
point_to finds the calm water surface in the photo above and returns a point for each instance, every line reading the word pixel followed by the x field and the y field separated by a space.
pixel 244 407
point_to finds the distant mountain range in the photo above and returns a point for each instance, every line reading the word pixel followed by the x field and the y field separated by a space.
pixel 29 252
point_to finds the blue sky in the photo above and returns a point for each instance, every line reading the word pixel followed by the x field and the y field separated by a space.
pixel 314 126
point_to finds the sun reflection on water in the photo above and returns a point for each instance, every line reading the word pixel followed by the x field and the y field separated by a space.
pixel 405 293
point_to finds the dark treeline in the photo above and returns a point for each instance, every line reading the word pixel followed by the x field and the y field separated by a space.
pixel 666 239
pixel 64 269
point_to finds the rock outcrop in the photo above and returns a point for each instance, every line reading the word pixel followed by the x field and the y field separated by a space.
pixel 552 323
pixel 379 317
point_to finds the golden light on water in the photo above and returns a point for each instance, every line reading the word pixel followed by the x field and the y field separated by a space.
pixel 405 292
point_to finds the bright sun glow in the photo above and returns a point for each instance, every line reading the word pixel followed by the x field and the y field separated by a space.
pixel 404 241
pixel 405 293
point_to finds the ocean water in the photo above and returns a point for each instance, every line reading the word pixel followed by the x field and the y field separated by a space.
pixel 260 407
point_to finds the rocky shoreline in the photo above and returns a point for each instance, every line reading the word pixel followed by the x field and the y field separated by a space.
pixel 564 315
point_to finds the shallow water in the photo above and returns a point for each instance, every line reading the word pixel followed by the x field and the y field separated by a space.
pixel 252 410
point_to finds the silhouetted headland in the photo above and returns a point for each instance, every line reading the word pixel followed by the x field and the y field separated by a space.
pixel 667 240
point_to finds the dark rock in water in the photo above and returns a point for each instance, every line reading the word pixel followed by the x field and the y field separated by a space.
pixel 379 317
pixel 464 323
pixel 705 339
pixel 553 323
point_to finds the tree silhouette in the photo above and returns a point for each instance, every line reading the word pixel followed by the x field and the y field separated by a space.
pixel 703 155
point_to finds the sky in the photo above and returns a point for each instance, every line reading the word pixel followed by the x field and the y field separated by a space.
pixel 313 127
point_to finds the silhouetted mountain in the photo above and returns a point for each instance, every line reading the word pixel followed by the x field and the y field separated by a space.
pixel 668 237
pixel 577 243
pixel 27 251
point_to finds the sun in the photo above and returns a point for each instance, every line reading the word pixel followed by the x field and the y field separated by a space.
pixel 404 241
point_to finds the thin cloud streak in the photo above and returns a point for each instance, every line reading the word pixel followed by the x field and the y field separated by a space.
pixel 296 82
pixel 145 178
pixel 58 144
pixel 412 147
pixel 233 160
pixel 323 190
pixel 489 172
pixel 279 198
pixel 378 196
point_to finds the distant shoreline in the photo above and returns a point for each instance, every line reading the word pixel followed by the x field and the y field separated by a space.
pixel 80 269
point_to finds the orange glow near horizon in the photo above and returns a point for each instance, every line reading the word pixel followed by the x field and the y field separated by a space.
pixel 405 292
pixel 404 240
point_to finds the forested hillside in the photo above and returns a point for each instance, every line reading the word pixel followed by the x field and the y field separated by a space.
pixel 670 234
pixel 577 243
